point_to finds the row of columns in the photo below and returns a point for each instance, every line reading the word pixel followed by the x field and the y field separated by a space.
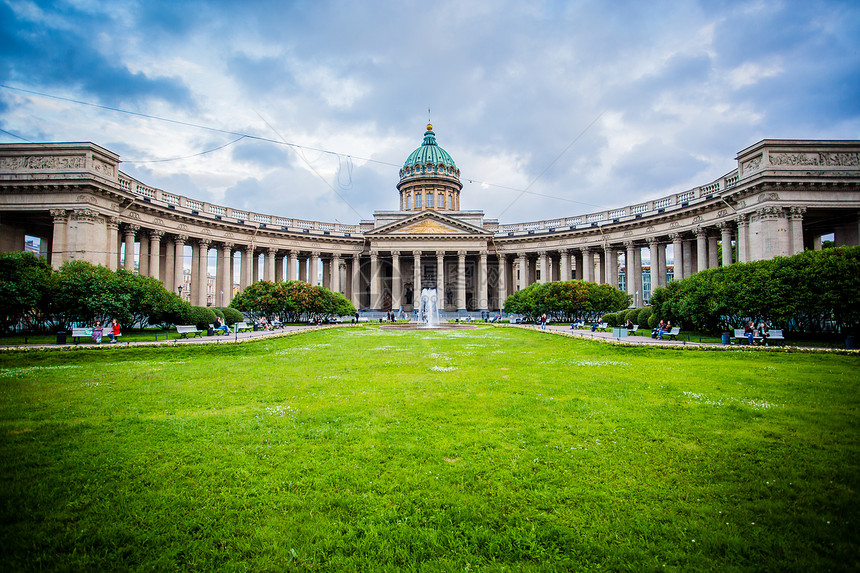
pixel 764 233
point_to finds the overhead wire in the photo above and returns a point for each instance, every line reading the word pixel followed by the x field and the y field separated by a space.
pixel 296 147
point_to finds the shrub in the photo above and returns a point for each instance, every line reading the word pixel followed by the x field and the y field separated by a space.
pixel 653 321
pixel 219 312
pixel 611 319
pixel 232 316
pixel 202 317
pixel 643 315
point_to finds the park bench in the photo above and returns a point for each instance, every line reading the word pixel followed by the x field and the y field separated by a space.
pixel 577 324
pixel 184 330
pixel 242 327
pixel 601 327
pixel 775 335
pixel 676 330
pixel 634 329
pixel 87 331
pixel 79 332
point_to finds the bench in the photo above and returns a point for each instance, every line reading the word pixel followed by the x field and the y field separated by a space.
pixel 79 332
pixel 602 327
pixel 242 327
pixel 184 330
pixel 676 330
pixel 774 335
pixel 577 324
pixel 634 329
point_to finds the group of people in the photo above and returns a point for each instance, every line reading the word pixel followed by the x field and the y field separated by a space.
pixel 751 332
pixel 114 331
pixel 665 327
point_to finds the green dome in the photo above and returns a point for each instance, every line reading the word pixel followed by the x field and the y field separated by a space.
pixel 429 153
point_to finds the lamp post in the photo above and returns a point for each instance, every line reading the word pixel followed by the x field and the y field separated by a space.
pixel 180 291
pixel 222 299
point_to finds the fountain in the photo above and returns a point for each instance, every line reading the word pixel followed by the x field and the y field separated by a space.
pixel 428 311
pixel 428 315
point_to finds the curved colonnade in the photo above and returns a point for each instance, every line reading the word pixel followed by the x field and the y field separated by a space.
pixel 782 198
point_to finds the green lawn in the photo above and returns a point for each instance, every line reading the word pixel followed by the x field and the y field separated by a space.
pixel 490 449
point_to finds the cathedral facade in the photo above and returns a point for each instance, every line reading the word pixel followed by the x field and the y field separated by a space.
pixel 781 198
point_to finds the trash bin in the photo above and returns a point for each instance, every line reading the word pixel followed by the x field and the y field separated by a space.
pixel 61 337
pixel 726 338
pixel 210 331
pixel 849 342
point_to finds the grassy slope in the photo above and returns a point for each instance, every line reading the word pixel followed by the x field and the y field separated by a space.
pixel 359 448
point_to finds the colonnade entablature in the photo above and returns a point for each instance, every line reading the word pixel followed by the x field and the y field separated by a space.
pixel 782 197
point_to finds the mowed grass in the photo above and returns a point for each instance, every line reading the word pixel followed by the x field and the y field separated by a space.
pixel 492 449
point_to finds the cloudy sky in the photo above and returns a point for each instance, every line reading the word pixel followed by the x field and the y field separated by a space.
pixel 548 108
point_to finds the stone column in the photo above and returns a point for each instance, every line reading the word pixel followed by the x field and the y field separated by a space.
pixel 256 275
pixel 743 239
pixel 677 255
pixel 662 271
pixel 416 279
pixel 440 277
pixel 313 268
pixel 247 266
pixel 128 232
pixel 225 265
pixel 630 268
pixel 502 284
pixel 375 286
pixel 688 257
pixel 60 218
pixel 396 281
pixel 113 242
pixel 654 255
pixel 544 268
pixel 335 273
pixel 524 270
pixel 726 237
pixel 610 257
pixel 564 265
pixel 638 295
pixel 701 249
pixel 326 272
pixel 587 264
pixel 178 262
pixel 576 273
pixel 713 251
pixel 796 225
pixel 269 269
pixel 201 289
pixel 483 304
pixel 143 259
pixel 356 281
pixel 461 280
pixel 169 273
pixel 154 253
pixel 293 266
pixel 279 268
pixel 600 263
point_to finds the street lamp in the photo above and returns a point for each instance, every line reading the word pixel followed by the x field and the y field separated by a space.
pixel 180 291
pixel 222 299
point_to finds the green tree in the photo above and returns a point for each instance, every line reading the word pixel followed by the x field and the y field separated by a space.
pixel 27 286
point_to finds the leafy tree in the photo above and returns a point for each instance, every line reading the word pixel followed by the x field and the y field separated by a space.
pixel 27 286
pixel 566 300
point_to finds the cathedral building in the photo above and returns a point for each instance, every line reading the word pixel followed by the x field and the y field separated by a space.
pixel 71 198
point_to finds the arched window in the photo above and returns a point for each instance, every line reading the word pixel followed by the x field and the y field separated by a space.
pixel 418 201
pixel 450 202
pixel 408 202
pixel 429 200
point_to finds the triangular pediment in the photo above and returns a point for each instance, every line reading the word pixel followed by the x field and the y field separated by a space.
pixel 428 223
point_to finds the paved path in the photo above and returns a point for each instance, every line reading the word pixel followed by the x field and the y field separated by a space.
pixel 234 337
